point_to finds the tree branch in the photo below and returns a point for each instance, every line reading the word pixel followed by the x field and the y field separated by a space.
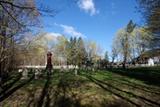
pixel 14 5
pixel 11 15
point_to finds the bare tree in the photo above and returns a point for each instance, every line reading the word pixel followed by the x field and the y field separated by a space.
pixel 16 17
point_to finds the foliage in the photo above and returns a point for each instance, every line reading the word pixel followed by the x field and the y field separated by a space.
pixel 122 41
pixel 150 10
pixel 137 42
pixel 16 18
pixel 131 42
pixel 106 57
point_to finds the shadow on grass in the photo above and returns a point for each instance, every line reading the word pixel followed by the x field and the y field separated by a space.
pixel 116 103
pixel 60 97
pixel 8 93
pixel 150 76
pixel 44 93
pixel 110 90
pixel 64 95
pixel 10 83
pixel 122 80
pixel 116 91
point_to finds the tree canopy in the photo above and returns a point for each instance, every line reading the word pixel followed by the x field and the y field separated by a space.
pixel 150 10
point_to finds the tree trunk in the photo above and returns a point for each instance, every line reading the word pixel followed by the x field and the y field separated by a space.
pixel 124 64
pixel 126 46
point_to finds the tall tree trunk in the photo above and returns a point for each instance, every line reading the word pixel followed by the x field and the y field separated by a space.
pixel 126 46
pixel 124 63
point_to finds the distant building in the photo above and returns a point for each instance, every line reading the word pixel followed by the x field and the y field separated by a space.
pixel 149 57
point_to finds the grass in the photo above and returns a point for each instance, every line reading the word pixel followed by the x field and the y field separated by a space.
pixel 105 88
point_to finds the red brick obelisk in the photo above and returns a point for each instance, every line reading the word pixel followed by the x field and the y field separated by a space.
pixel 49 62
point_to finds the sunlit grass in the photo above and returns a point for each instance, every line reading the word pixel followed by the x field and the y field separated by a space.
pixel 99 88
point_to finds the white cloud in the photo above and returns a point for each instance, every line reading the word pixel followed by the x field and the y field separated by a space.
pixel 71 31
pixel 52 36
pixel 55 34
pixel 88 6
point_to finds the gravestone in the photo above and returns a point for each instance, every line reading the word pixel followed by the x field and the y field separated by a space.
pixel 75 71
pixel 150 62
pixel 61 69
pixel 93 69
pixel 36 74
pixel 20 70
pixel 24 74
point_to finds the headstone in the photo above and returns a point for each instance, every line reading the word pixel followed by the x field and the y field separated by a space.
pixel 36 74
pixel 93 69
pixel 24 74
pixel 20 70
pixel 61 69
pixel 156 60
pixel 150 62
pixel 76 71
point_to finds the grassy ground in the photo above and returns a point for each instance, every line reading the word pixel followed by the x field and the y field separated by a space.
pixel 103 88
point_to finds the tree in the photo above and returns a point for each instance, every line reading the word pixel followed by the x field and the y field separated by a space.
pixel 92 50
pixel 106 56
pixel 76 53
pixel 60 50
pixel 122 42
pixel 150 10
pixel 71 51
pixel 81 55
pixel 16 18
pixel 125 43
pixel 141 41
pixel 137 42
pixel 11 18
pixel 33 49
pixel 114 53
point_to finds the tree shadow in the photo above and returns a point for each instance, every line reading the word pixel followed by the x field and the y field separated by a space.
pixel 116 103
pixel 116 91
pixel 30 98
pixel 8 93
pixel 148 75
pixel 122 80
pixel 11 82
pixel 44 92
pixel 64 95
pixel 110 90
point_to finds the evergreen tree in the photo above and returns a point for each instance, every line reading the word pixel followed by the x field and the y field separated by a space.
pixel 81 57
pixel 106 56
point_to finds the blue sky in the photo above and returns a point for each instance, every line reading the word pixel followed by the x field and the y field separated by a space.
pixel 96 20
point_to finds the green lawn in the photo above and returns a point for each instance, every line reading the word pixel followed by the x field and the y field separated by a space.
pixel 103 88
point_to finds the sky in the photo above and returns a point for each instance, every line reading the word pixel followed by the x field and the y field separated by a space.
pixel 96 20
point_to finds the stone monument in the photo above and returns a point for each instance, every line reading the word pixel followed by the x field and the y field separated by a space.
pixel 49 62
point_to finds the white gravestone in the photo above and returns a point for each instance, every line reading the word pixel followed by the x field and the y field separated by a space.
pixel 76 71
pixel 36 74
pixel 24 74
pixel 150 62
pixel 20 70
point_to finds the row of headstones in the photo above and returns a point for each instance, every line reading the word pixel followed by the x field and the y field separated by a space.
pixel 75 70
pixel 25 73
pixel 38 72
pixel 67 70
